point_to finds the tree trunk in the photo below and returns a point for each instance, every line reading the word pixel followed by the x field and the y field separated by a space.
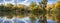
pixel 43 6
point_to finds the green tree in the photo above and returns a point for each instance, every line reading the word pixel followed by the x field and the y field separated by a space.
pixel 1 8
pixel 10 5
pixel 32 6
pixel 36 10
pixel 43 4
pixel 5 10
pixel 33 19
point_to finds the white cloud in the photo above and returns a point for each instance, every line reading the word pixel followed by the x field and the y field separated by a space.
pixel 25 2
pixel 8 0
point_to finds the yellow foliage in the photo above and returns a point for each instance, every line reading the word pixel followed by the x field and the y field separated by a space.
pixel 10 5
pixel 21 6
pixel 32 17
pixel 57 4
pixel 49 6
pixel 9 16
pixel 20 16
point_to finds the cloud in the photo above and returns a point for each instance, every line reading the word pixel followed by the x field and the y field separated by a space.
pixel 27 2
pixel 24 2
pixel 8 1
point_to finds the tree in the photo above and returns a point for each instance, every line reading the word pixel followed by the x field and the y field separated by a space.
pixel 57 11
pixel 6 10
pixel 1 8
pixel 32 18
pixel 43 4
pixel 10 5
pixel 32 6
pixel 37 11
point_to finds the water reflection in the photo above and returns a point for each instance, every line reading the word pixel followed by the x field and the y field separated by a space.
pixel 25 19
pixel 21 20
pixel 7 21
pixel 1 20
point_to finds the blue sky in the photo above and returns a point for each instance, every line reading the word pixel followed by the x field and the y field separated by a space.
pixel 26 2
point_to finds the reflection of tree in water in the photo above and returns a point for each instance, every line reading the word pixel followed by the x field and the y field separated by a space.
pixel 58 15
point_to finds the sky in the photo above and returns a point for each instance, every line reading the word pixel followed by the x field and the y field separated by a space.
pixel 26 2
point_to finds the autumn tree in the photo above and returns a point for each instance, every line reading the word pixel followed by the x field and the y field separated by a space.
pixel 57 11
